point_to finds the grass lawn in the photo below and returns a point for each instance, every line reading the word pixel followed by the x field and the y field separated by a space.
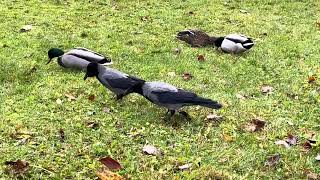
pixel 140 38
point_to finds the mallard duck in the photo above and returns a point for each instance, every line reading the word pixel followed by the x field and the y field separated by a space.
pixel 77 58
pixel 232 43
pixel 196 38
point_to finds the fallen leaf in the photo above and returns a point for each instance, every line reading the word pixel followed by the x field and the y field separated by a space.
pixel 239 96
pixel 273 160
pixel 105 174
pixel 172 74
pixel 61 133
pixel 266 89
pixel 106 109
pixel 151 150
pixel 307 146
pixel 255 125
pixel 92 124
pixel 90 113
pixel 223 160
pixel 227 138
pixel 70 97
pixel 244 11
pixel 26 28
pixel 292 140
pixel 110 163
pixel 214 117
pixel 186 76
pixel 145 18
pixel 318 157
pixel 185 167
pixel 312 176
pixel 58 101
pixel 312 79
pixel 91 97
pixel 17 167
pixel 282 142
pixel 201 58
pixel 177 50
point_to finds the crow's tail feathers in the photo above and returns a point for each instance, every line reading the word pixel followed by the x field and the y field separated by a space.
pixel 206 103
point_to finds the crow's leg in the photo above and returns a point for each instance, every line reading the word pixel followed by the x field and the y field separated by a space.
pixel 172 112
pixel 185 114
pixel 119 96
pixel 167 112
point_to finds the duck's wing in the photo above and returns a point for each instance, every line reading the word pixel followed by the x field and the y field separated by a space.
pixel 237 38
pixel 89 55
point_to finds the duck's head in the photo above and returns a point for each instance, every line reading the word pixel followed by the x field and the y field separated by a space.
pixel 218 41
pixel 92 70
pixel 248 43
pixel 54 52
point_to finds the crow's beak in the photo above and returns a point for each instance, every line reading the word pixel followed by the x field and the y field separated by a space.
pixel 85 77
pixel 49 60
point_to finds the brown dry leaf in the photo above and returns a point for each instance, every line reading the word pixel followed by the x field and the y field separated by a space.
pixel 26 28
pixel 307 146
pixel 266 89
pixel 151 150
pixel 310 175
pixel 185 167
pixel 201 57
pixel 186 76
pixel 110 163
pixel 292 140
pixel 70 97
pixel 92 97
pixel 312 79
pixel 273 160
pixel 255 125
pixel 108 175
pixel 17 167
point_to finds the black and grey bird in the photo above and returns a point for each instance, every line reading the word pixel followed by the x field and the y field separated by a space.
pixel 118 82
pixel 232 43
pixel 77 58
pixel 172 98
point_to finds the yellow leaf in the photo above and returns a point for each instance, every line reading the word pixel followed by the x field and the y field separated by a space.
pixel 108 175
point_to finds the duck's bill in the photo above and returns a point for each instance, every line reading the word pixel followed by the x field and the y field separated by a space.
pixel 49 61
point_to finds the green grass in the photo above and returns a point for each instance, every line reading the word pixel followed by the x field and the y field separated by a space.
pixel 283 59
